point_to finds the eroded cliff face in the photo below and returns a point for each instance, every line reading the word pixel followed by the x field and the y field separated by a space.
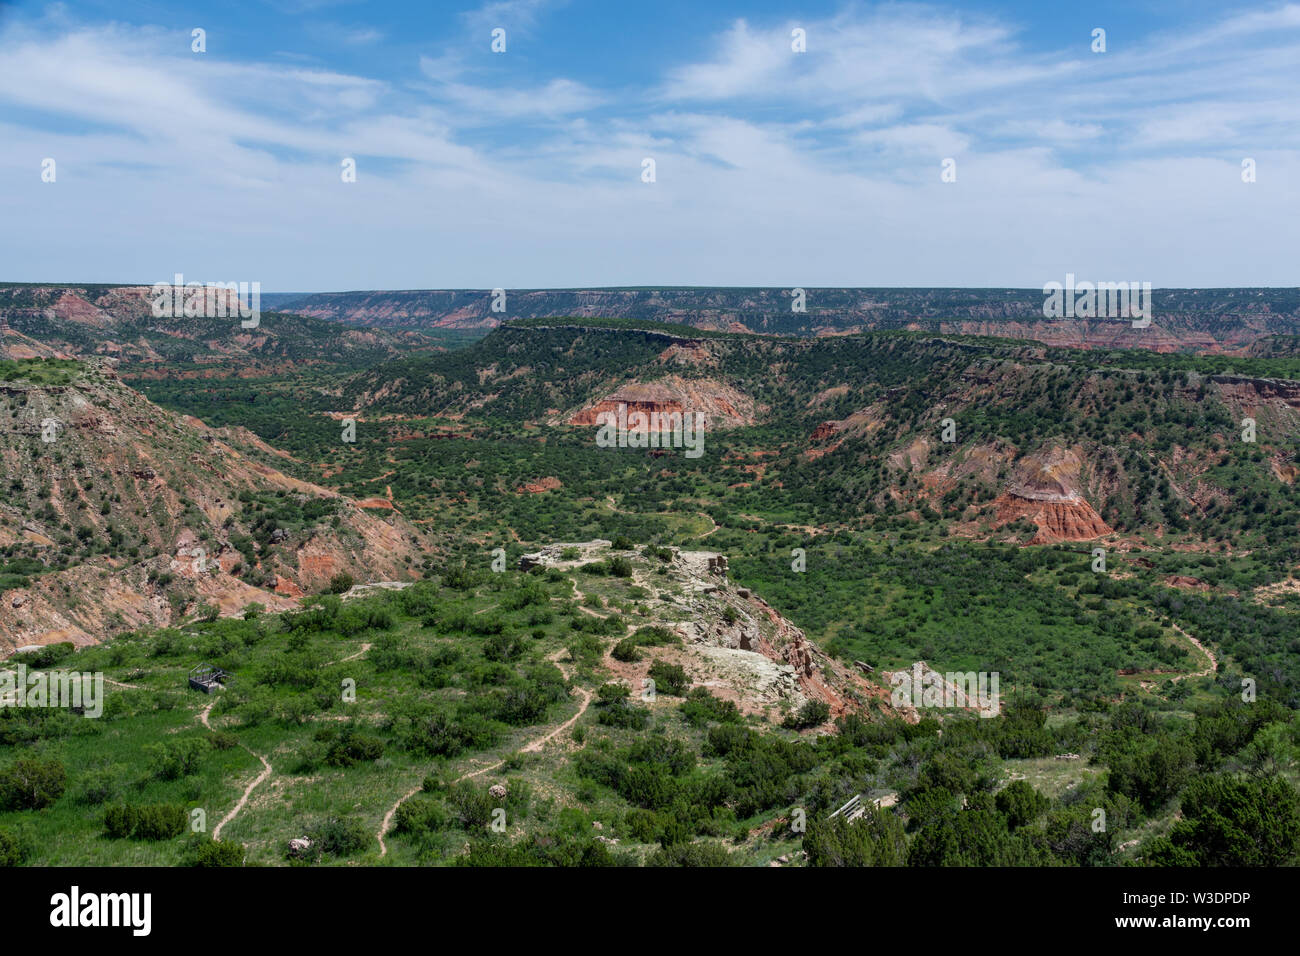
pixel 158 514
pixel 1101 334
pixel 1056 520
pixel 734 643
pixel 747 651
pixel 1256 393
pixel 203 327
pixel 1046 491
pixel 722 405
pixel 1204 320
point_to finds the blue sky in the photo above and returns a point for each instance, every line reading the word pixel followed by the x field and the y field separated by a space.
pixel 523 169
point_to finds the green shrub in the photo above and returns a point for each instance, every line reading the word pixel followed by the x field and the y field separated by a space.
pixel 503 647
pixel 418 815
pixel 30 783
pixel 158 821
pixel 669 678
pixel 1020 803
pixel 701 708
pixel 458 578
pixel 174 759
pixel 15 847
pixel 102 784
pixel 222 740
pixel 625 651
pixel 350 747
pixel 207 852
pixel 472 806
pixel 45 657
pixel 874 839
pixel 691 854
pixel 1233 821
pixel 813 713
pixel 653 635
pixel 339 836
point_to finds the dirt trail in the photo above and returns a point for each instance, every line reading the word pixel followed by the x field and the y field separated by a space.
pixel 1214 661
pixel 613 506
pixel 1206 672
pixel 388 819
pixel 248 791
pixel 533 746
pixel 351 657
pixel 608 658
pixel 536 745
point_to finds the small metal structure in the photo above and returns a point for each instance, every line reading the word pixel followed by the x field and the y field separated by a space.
pixel 207 678
pixel 856 806
pixel 851 810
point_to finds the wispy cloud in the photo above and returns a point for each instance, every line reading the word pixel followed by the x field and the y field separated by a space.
pixel 772 166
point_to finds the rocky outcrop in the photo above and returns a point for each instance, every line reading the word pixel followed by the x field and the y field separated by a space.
pixel 722 405
pixel 782 664
pixel 694 352
pixel 1251 396
pixel 1056 520
pixel 550 483
pixel 167 490
pixel 1046 492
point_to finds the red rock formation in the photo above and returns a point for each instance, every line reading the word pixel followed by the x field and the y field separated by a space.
pixel 1255 393
pixel 814 453
pixel 1046 493
pixel 687 352
pixel 592 415
pixel 1056 520
pixel 824 431
pixel 286 587
pixel 549 483
pixel 720 404
pixel 820 677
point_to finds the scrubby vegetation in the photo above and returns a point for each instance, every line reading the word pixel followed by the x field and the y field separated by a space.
pixel 1149 709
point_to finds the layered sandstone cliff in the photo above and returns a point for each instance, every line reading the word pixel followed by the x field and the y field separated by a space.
pixel 1046 492
pixel 722 405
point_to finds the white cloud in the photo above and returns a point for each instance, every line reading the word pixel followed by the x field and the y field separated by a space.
pixel 773 168
pixel 510 15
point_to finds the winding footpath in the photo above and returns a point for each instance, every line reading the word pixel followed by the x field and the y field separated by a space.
pixel 533 746
pixel 351 657
pixel 1214 661
pixel 248 791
